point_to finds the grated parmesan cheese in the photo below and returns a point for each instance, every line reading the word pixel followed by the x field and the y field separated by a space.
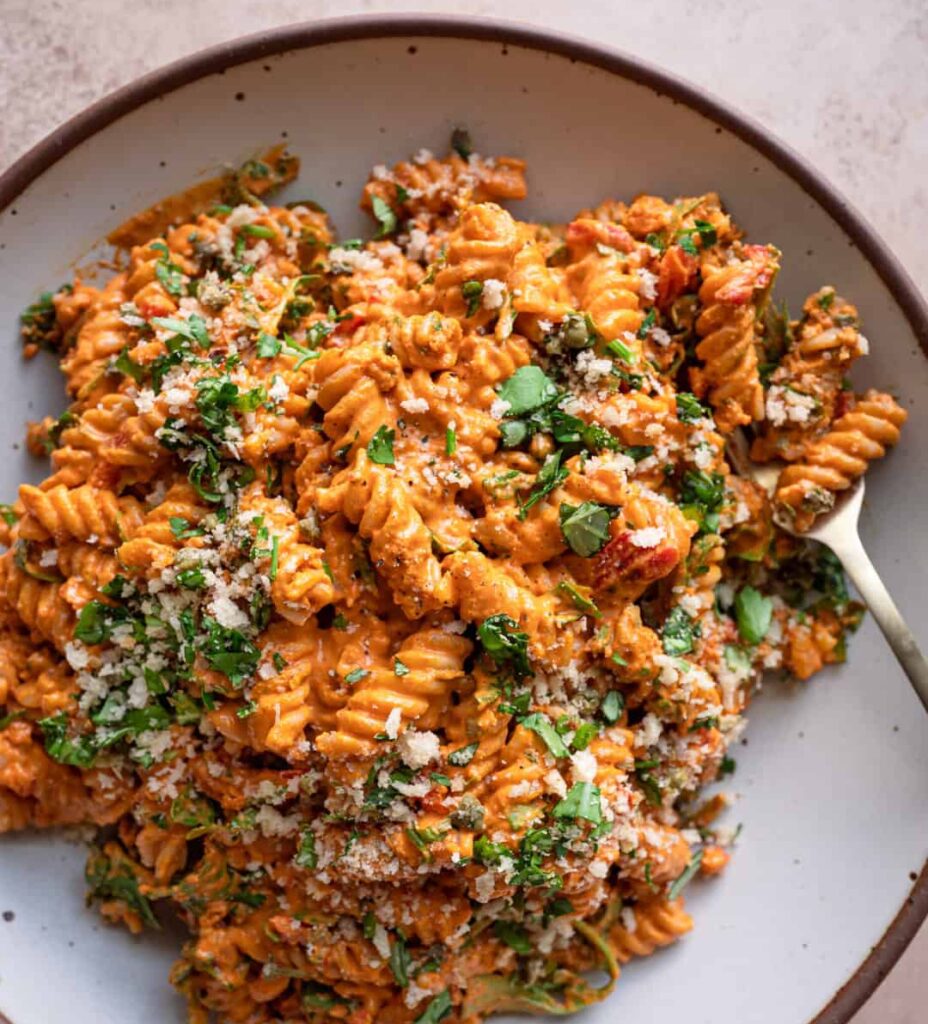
pixel 417 749
pixel 649 537
pixel 415 405
pixel 494 294
pixel 499 408
pixel 392 726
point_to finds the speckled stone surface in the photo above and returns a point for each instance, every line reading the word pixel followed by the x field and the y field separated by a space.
pixel 845 82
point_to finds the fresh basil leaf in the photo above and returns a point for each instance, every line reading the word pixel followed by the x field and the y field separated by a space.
pixel 703 494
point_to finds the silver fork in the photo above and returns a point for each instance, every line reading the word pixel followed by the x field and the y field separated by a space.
pixel 838 531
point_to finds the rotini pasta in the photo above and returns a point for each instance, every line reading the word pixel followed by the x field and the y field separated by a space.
pixel 390 602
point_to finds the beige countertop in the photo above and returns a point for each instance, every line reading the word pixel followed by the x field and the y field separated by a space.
pixel 845 82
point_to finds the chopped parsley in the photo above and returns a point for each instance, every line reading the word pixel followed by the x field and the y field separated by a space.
pixel 579 597
pixel 472 291
pixel 585 527
pixel 78 750
pixel 400 961
pixel 753 613
pixel 582 801
pixel 621 351
pixel 646 325
pixel 192 329
pixel 701 497
pixel 678 633
pixel 514 935
pixel 437 1010
pixel 551 475
pixel 612 706
pixel 505 644
pixel 257 231
pixel 689 408
pixel 168 273
pixel 125 364
pixel 584 735
pixel 306 849
pixel 650 785
pixel 385 217
pixel 541 725
pixel 109 879
pixel 528 389
pixel 461 143
pixel 680 883
pixel 380 447
pixel 463 755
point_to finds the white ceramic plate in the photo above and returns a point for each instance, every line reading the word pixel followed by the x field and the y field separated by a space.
pixel 834 783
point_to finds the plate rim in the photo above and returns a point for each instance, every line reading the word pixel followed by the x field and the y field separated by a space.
pixel 868 975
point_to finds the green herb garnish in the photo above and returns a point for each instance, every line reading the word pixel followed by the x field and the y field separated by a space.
pixel 380 447
pixel 680 883
pixel 753 613
pixel 385 217
pixel 502 641
pixel 582 801
pixel 585 527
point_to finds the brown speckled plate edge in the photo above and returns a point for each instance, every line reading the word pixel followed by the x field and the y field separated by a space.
pixel 862 983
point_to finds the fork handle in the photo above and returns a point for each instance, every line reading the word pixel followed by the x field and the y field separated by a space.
pixel 871 588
